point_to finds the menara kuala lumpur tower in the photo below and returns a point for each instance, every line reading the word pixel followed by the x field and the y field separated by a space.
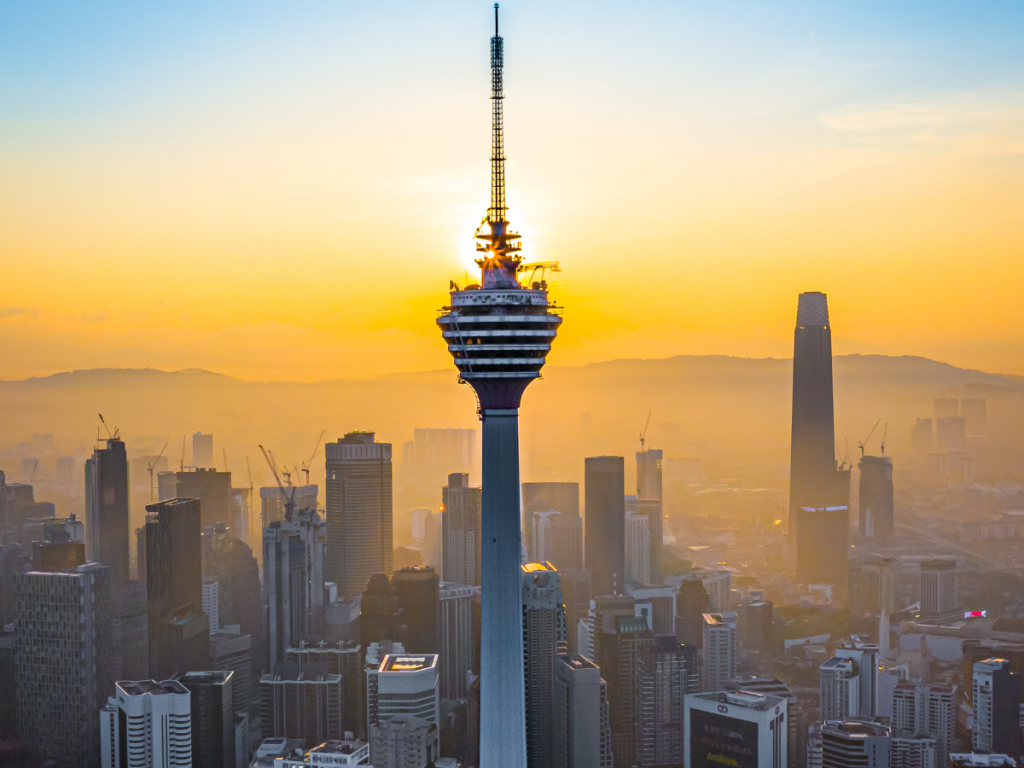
pixel 499 333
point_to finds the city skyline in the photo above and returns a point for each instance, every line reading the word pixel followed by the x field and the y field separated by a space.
pixel 760 153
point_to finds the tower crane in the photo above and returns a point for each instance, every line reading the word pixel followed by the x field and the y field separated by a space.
pixel 113 436
pixel 224 450
pixel 643 435
pixel 32 474
pixel 251 488
pixel 150 467
pixel 316 452
pixel 289 501
pixel 885 431
pixel 182 464
pixel 864 442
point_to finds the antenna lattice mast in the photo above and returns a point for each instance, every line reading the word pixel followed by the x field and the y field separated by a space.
pixel 496 214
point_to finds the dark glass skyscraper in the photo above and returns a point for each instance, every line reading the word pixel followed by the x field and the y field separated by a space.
pixel 418 591
pixel 875 504
pixel 819 491
pixel 605 511
pixel 107 528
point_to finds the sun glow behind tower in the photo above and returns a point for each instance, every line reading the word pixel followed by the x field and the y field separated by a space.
pixel 499 333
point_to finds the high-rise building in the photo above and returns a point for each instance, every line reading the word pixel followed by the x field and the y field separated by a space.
pixel 230 652
pixel 359 514
pixel 418 591
pixel 427 536
pixel 212 488
pixel 950 434
pixel 545 635
pixel 720 650
pixel 756 626
pixel 272 502
pixel 435 452
pixel 926 709
pixel 293 581
pixel 241 513
pixel 380 618
pixel 404 741
pixel 581 734
pixel 873 586
pixel 344 659
pixel 179 632
pixel 211 603
pixel 996 699
pixel 303 705
pixel 552 526
pixel 460 531
pixel 456 632
pixel 605 509
pixel 581 737
pixel 62 631
pixel 692 602
pixel 213 718
pixel 921 436
pixel 651 504
pixel 946 407
pixel 819 493
pixel 912 750
pixel 973 411
pixel 735 728
pixel 129 632
pixel 202 450
pixel 638 549
pixel 865 657
pixel 839 689
pixel 875 504
pixel 665 673
pixel 147 724
pixel 107 526
pixel 404 684
pixel 855 744
pixel 796 727
pixel 621 642
pixel 938 587
pixel 499 333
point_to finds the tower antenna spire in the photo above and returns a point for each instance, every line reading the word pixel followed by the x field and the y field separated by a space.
pixel 496 214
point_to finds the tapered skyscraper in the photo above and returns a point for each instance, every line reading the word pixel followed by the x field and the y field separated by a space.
pixel 819 491
pixel 499 332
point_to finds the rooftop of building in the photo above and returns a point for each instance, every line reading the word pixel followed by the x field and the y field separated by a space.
pixel 346 747
pixel 206 677
pixel 152 687
pixel 970 759
pixel 719 619
pixel 746 699
pixel 358 437
pixel 403 662
pixel 277 747
pixel 576 661
pixel 538 567
pixel 405 723
pixel 938 565
pixel 837 662
pixel 856 728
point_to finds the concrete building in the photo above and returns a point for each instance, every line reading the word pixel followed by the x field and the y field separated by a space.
pixel 293 581
pixel 552 526
pixel 303 705
pixel 460 531
pixel 865 656
pixel 873 586
pixel 456 657
pixel 996 697
pixel 938 587
pixel 638 548
pixel 839 689
pixel 211 603
pixel 212 488
pixel 921 436
pixel 581 735
pixel 855 744
pixel 545 636
pixel 107 526
pixel 418 591
pixel 230 652
pixel 179 631
pixel 129 633
pixel 666 673
pixel 605 508
pixel 405 684
pixel 147 724
pixel 404 741
pixel 796 727
pixel 344 659
pixel 272 502
pixel 202 450
pixel 910 750
pixel 720 650
pixel 213 718
pixel 620 643
pixel 875 502
pixel 950 434
pixel 819 492
pixel 359 512
pixel 650 504
pixel 926 709
pixel 978 760
pixel 62 636
pixel 734 728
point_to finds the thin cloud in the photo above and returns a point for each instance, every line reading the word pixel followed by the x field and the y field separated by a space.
pixel 6 312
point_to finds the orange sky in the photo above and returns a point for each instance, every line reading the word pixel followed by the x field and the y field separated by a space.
pixel 215 211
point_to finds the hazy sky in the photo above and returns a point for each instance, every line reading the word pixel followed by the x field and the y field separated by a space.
pixel 282 191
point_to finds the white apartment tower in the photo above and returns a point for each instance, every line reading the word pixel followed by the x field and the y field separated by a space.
pixel 581 736
pixel 839 689
pixel 926 709
pixel 405 684
pixel 147 725
pixel 721 650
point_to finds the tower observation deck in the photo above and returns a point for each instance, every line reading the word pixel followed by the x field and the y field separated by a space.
pixel 499 332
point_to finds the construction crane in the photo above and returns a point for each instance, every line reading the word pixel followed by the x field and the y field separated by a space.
pixel 32 474
pixel 885 431
pixel 316 452
pixel 289 501
pixel 225 459
pixel 116 431
pixel 643 435
pixel 865 441
pixel 251 487
pixel 150 467
pixel 182 465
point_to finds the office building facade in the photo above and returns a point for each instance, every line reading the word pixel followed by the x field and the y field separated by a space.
pixel 855 744
pixel 605 509
pixel 213 718
pixel 418 592
pixel 621 641
pixel 147 724
pixel 919 708
pixel 552 526
pixel 545 636
pixel 996 699
pixel 665 674
pixel 938 587
pixel 580 734
pixel 404 684
pixel 303 705
pixel 212 488
pixel 460 531
pixel 720 650
pixel 404 741
pixel 875 500
pixel 735 728
pixel 107 525
pixel 651 505
pixel 456 631
pixel 359 512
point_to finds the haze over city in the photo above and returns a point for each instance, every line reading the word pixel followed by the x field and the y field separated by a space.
pixel 735 473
